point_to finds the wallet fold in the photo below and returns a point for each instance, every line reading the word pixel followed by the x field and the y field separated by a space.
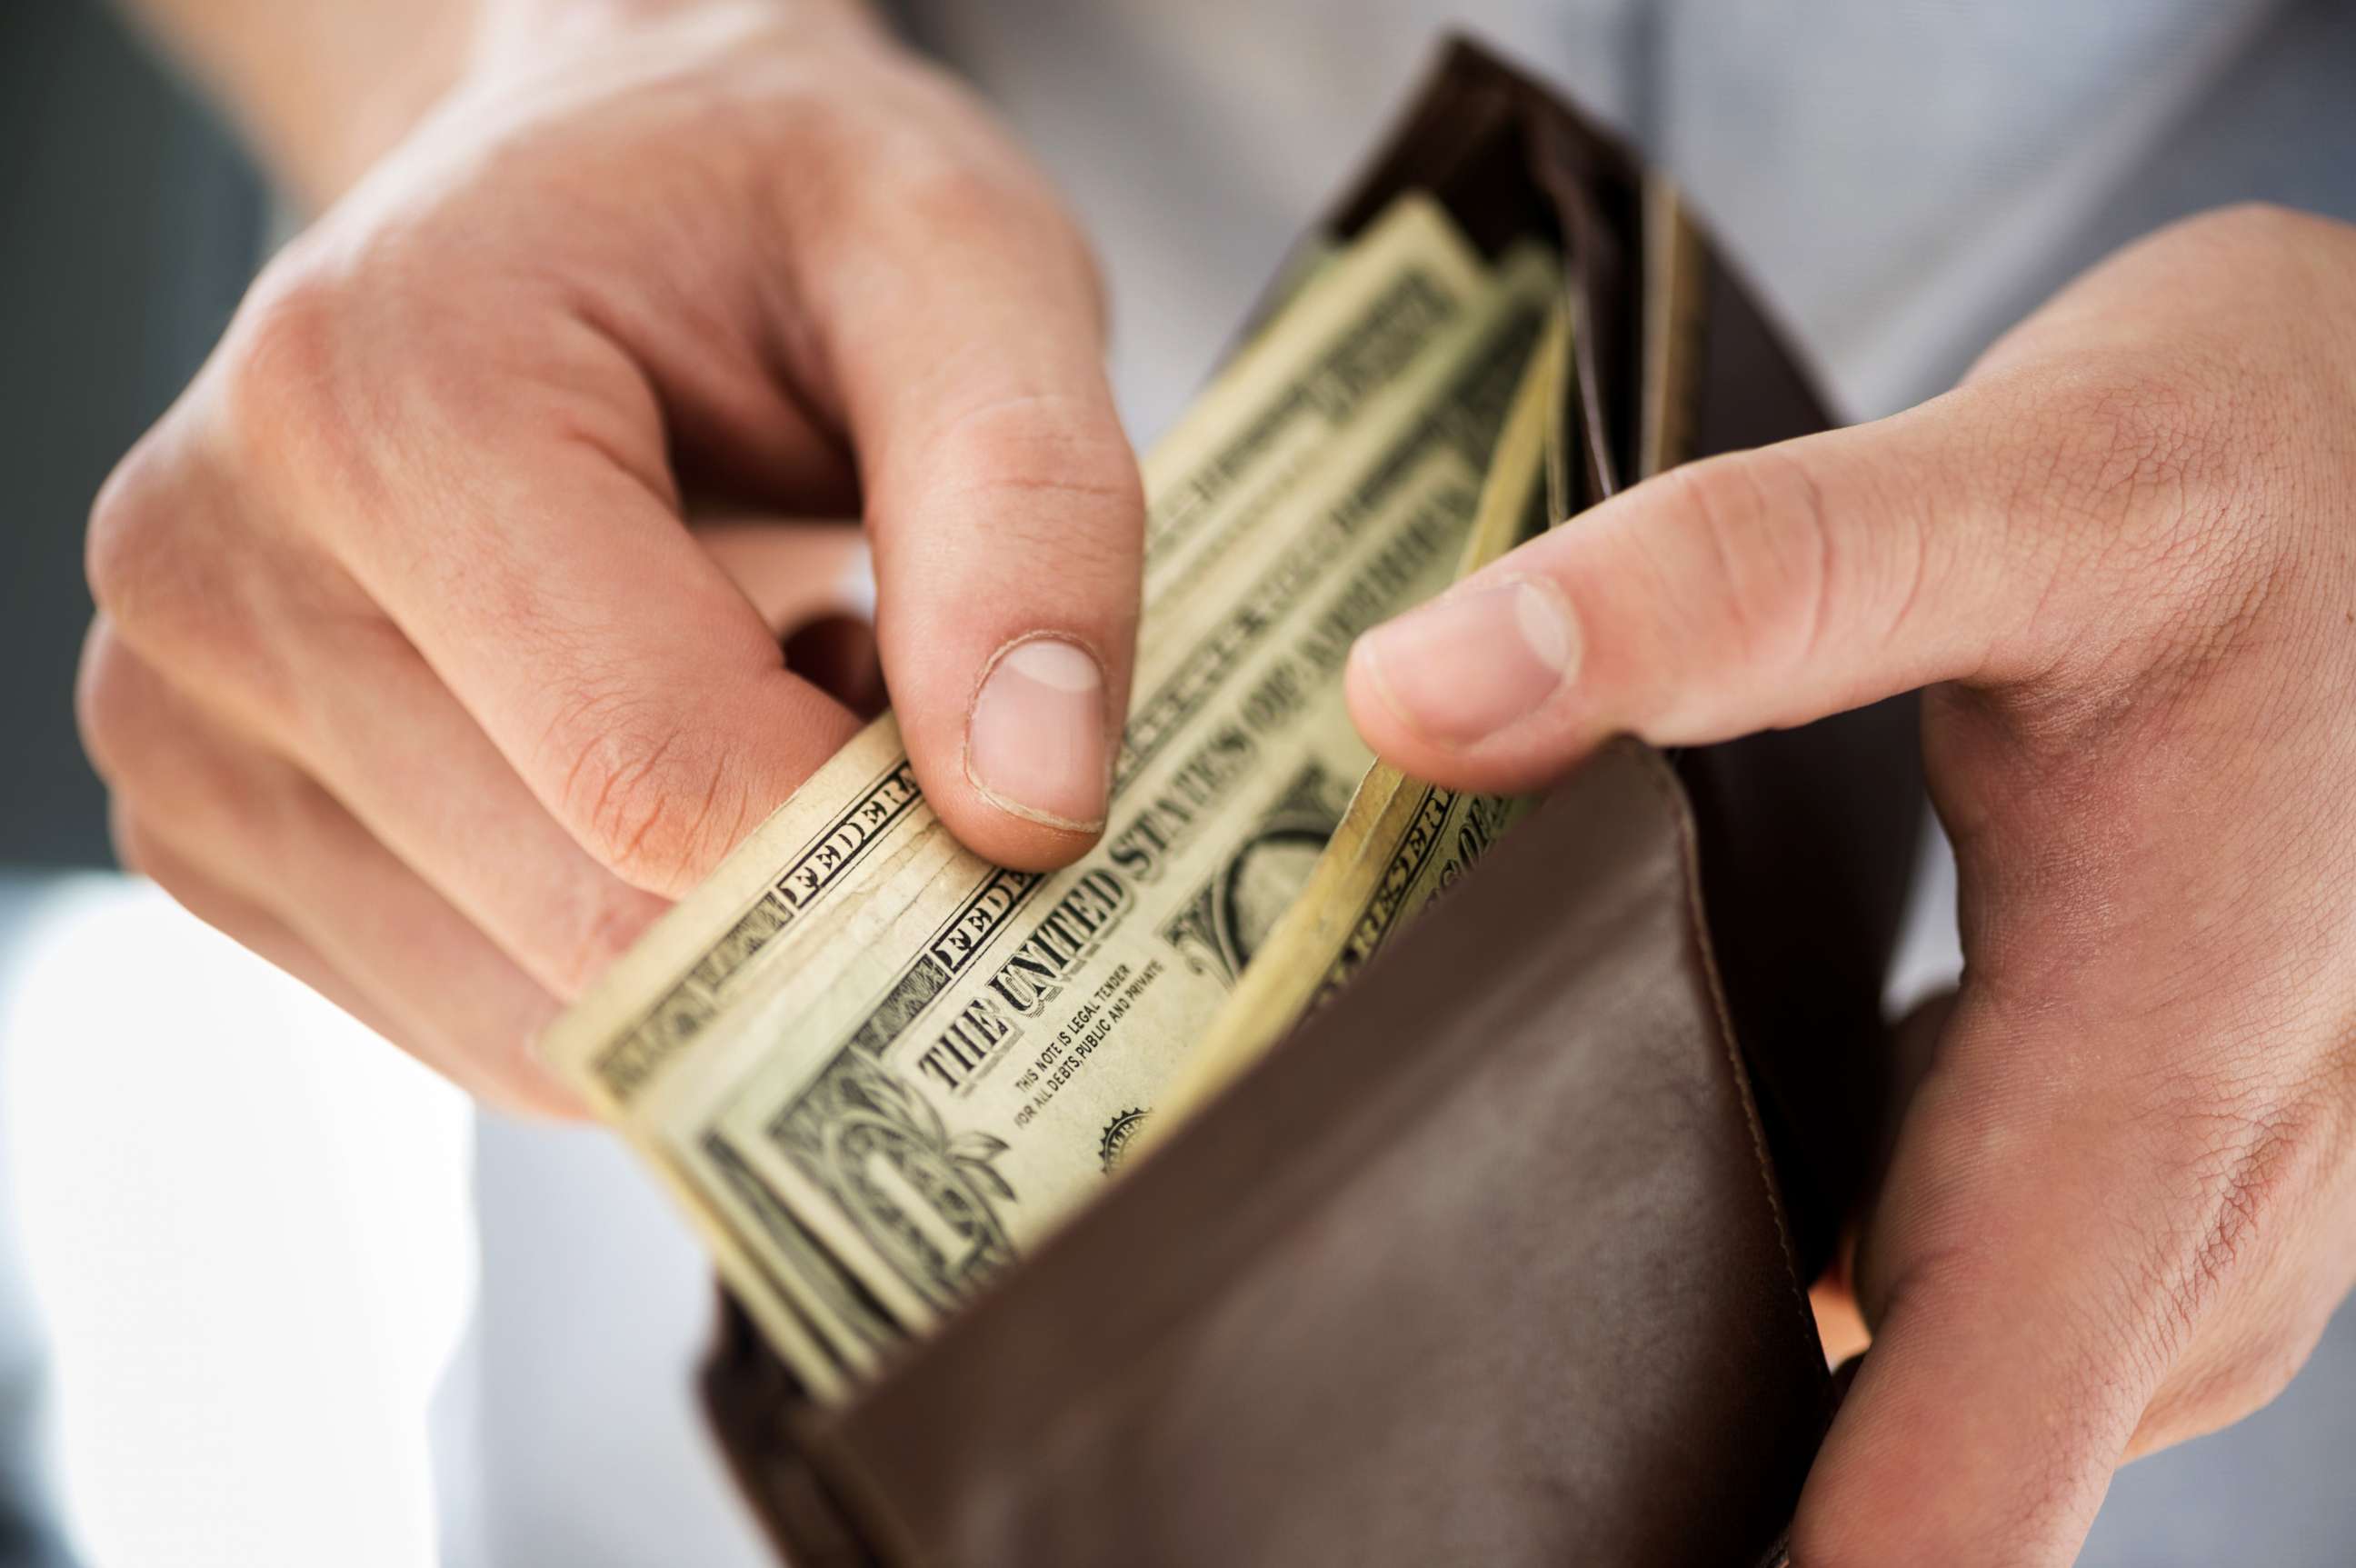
pixel 1493 1238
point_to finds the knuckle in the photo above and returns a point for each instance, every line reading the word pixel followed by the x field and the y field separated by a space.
pixel 604 931
pixel 283 344
pixel 950 172
pixel 282 371
pixel 2097 446
pixel 1061 466
pixel 110 705
pixel 940 191
pixel 655 802
pixel 175 579
pixel 940 170
pixel 2126 463
pixel 2133 439
pixel 133 551
pixel 179 568
pixel 1762 557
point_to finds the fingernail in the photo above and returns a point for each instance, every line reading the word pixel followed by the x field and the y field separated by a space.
pixel 1468 664
pixel 1036 743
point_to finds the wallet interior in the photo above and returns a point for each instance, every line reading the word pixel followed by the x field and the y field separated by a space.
pixel 1501 1257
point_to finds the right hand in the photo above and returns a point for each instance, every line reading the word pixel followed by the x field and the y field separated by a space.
pixel 408 672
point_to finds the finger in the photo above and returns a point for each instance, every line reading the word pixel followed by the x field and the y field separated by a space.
pixel 1840 1316
pixel 412 765
pixel 536 561
pixel 142 850
pixel 372 725
pixel 459 993
pixel 313 671
pixel 961 325
pixel 814 586
pixel 251 924
pixel 423 780
pixel 2040 1261
pixel 237 832
pixel 792 572
pixel 1759 589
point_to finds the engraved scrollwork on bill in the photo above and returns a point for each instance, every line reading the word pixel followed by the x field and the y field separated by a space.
pixel 927 1201
pixel 1219 928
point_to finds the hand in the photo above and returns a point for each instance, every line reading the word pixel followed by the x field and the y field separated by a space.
pixel 408 671
pixel 2123 558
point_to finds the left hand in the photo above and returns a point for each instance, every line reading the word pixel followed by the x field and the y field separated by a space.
pixel 2123 558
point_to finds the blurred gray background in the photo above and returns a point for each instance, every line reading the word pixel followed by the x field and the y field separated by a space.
pixel 129 225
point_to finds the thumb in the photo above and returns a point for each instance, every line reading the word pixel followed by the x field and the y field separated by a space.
pixel 1759 589
pixel 1002 500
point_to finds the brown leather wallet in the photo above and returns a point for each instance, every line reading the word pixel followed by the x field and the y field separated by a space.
pixel 1501 1257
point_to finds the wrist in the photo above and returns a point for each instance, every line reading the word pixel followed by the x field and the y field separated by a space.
pixel 353 117
pixel 541 15
pixel 525 30
pixel 316 91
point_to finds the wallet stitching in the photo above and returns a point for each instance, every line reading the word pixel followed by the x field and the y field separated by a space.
pixel 1663 782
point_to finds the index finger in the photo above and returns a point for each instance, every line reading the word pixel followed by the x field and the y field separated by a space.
pixel 534 553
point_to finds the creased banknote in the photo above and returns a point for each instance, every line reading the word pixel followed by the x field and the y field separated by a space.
pixel 873 1068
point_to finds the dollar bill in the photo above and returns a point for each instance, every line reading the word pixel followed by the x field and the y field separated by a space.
pixel 1402 842
pixel 940 1100
pixel 814 869
pixel 1376 306
pixel 1212 480
pixel 960 1053
pixel 872 1068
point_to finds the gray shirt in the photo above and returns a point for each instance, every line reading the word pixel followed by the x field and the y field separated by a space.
pixel 1901 177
